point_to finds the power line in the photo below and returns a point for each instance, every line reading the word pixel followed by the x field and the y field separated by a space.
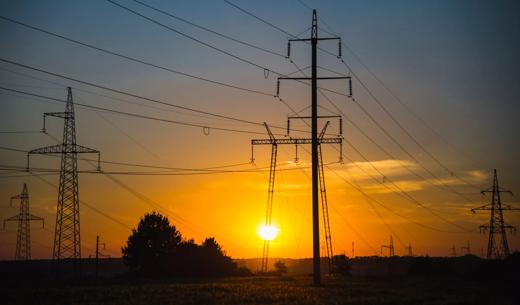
pixel 88 205
pixel 135 59
pixel 209 30
pixel 401 192
pixel 365 87
pixel 247 61
pixel 141 97
pixel 133 114
pixel 260 19
pixel 422 147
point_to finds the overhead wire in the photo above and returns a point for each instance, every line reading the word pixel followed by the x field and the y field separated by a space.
pixel 136 115
pixel 209 30
pixel 364 86
pixel 401 191
pixel 135 59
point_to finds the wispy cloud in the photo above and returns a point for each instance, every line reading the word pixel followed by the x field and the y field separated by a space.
pixel 389 176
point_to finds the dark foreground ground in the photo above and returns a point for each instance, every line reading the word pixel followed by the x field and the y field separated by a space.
pixel 265 290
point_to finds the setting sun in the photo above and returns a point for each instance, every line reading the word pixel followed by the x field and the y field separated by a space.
pixel 268 232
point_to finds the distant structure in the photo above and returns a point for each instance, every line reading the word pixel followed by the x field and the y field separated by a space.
pixel 498 247
pixel 453 251
pixel 98 254
pixel 390 247
pixel 352 249
pixel 24 218
pixel 409 250
pixel 466 249
pixel 67 242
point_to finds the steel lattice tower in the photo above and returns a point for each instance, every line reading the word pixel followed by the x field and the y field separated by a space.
pixel 390 247
pixel 67 241
pixel 24 218
pixel 498 247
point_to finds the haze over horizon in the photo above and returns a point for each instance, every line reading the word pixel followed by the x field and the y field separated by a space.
pixel 452 64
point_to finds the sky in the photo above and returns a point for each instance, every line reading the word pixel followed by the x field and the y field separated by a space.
pixel 435 110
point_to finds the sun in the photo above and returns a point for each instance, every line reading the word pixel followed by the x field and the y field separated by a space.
pixel 268 232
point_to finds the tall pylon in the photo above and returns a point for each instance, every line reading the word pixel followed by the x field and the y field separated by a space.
pixel 24 218
pixel 498 247
pixel 67 241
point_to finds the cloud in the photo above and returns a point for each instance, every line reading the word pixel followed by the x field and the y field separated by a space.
pixel 395 176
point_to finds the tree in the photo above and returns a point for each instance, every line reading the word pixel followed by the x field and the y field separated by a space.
pixel 152 245
pixel 280 267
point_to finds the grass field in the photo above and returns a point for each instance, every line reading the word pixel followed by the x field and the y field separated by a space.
pixel 263 290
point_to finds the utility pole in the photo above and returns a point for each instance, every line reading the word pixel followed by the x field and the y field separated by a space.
pixel 98 254
pixel 466 249
pixel 390 247
pixel 498 247
pixel 453 252
pixel 314 134
pixel 67 241
pixel 24 218
pixel 352 249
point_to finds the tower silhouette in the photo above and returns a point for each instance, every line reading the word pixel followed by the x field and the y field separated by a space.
pixel 67 241
pixel 390 247
pixel 497 239
pixel 24 218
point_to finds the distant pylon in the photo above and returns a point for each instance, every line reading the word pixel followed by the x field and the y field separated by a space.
pixel 409 250
pixel 390 247
pixel 67 241
pixel 466 248
pixel 453 251
pixel 498 247
pixel 24 218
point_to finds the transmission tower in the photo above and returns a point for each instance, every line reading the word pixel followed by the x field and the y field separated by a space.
pixel 498 247
pixel 408 249
pixel 466 249
pixel 453 251
pixel 274 142
pixel 67 242
pixel 24 218
pixel 390 247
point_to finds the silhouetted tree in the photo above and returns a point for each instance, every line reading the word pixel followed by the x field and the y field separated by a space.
pixel 215 260
pixel 157 248
pixel 150 247
pixel 280 267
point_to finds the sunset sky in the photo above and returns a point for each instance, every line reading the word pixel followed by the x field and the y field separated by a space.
pixel 447 72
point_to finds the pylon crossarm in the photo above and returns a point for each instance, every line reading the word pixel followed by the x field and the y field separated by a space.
pixel 485 207
pixel 60 148
pixel 63 115
pixel 12 218
pixel 294 141
pixel 34 217
pixel 12 198
pixel 53 149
